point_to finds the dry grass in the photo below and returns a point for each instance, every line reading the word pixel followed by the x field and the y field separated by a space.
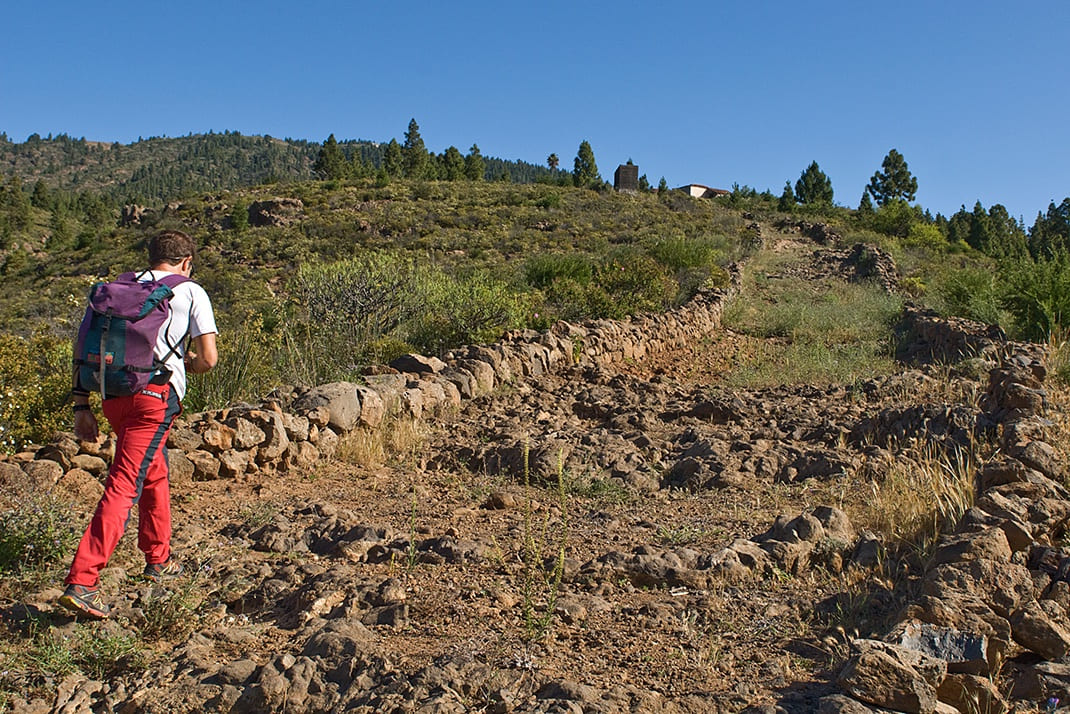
pixel 923 490
pixel 395 439
pixel 1058 387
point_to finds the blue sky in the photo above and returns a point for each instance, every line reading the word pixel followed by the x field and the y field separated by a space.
pixel 973 94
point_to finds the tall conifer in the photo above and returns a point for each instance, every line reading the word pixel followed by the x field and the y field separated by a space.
pixel 894 181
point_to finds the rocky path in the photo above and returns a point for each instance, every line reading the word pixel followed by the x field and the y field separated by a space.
pixel 642 538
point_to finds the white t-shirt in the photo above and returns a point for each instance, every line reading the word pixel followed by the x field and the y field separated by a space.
pixel 191 310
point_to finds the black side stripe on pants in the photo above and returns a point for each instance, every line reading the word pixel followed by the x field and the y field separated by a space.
pixel 173 409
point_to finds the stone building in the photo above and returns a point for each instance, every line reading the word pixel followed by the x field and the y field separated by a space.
pixel 626 177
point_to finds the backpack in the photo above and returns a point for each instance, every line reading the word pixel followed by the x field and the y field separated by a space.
pixel 122 322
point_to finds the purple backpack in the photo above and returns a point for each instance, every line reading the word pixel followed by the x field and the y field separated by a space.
pixel 113 354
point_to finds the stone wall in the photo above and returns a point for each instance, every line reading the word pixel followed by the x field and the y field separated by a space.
pixel 294 428
pixel 994 597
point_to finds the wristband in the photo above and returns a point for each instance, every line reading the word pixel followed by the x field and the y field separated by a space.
pixel 81 407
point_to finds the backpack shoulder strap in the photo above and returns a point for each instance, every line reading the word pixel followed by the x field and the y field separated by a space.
pixel 173 279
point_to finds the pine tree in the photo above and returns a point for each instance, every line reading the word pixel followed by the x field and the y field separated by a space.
pixel 331 161
pixel 1050 234
pixel 357 166
pixel 894 181
pixel 865 206
pixel 663 187
pixel 414 152
pixel 814 187
pixel 393 161
pixel 474 166
pixel 552 161
pixel 239 216
pixel 1008 237
pixel 41 197
pixel 453 164
pixel 585 170
pixel 787 199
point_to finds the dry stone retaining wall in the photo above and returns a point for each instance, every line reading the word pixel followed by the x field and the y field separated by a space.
pixel 994 597
pixel 294 428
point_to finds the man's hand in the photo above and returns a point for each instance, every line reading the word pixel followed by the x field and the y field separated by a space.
pixel 201 356
pixel 85 425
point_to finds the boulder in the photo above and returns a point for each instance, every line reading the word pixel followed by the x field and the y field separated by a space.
pixel 892 677
pixel 418 364
pixel 179 468
pixel 342 400
pixel 93 464
pixel 1040 631
pixel 988 544
pixel 1002 586
pixel 964 652
pixel 42 474
pixel 205 465
pixel 971 693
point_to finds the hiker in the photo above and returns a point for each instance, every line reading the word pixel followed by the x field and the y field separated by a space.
pixel 141 423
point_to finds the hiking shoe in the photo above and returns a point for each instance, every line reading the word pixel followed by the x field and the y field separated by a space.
pixel 157 572
pixel 84 601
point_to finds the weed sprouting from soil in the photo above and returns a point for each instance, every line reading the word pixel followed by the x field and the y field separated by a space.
pixel 35 536
pixel 172 610
pixel 38 656
pixel 542 555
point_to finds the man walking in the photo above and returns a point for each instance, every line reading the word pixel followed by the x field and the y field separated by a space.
pixel 141 422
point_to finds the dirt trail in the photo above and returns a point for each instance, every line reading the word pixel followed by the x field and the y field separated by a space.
pixel 429 583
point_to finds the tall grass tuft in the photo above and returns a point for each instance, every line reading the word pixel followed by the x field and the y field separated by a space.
pixel 924 492
pixel 370 448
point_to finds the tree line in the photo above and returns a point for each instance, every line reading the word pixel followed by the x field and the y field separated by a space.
pixel 886 206
pixel 411 159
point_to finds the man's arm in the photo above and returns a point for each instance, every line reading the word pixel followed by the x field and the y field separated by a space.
pixel 202 354
pixel 85 421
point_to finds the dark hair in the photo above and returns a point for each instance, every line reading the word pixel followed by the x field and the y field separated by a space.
pixel 170 247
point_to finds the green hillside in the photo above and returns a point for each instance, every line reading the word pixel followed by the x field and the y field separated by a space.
pixel 315 279
pixel 160 169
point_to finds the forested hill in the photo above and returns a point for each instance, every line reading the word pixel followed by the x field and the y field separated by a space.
pixel 160 169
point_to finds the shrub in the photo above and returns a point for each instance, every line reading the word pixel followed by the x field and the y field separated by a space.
pixel 1037 294
pixel 895 218
pixel 35 535
pixel 679 253
pixel 35 381
pixel 969 292
pixel 248 366
pixel 636 283
pixel 460 310
pixel 925 235
pixel 352 303
pixel 542 270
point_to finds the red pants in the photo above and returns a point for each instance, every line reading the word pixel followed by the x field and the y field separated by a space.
pixel 138 475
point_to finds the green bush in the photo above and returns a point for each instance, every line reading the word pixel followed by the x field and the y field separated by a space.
pixel 249 365
pixel 1037 294
pixel 542 270
pixel 969 292
pixel 680 253
pixel 352 303
pixel 464 309
pixel 636 283
pixel 35 381
pixel 35 535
